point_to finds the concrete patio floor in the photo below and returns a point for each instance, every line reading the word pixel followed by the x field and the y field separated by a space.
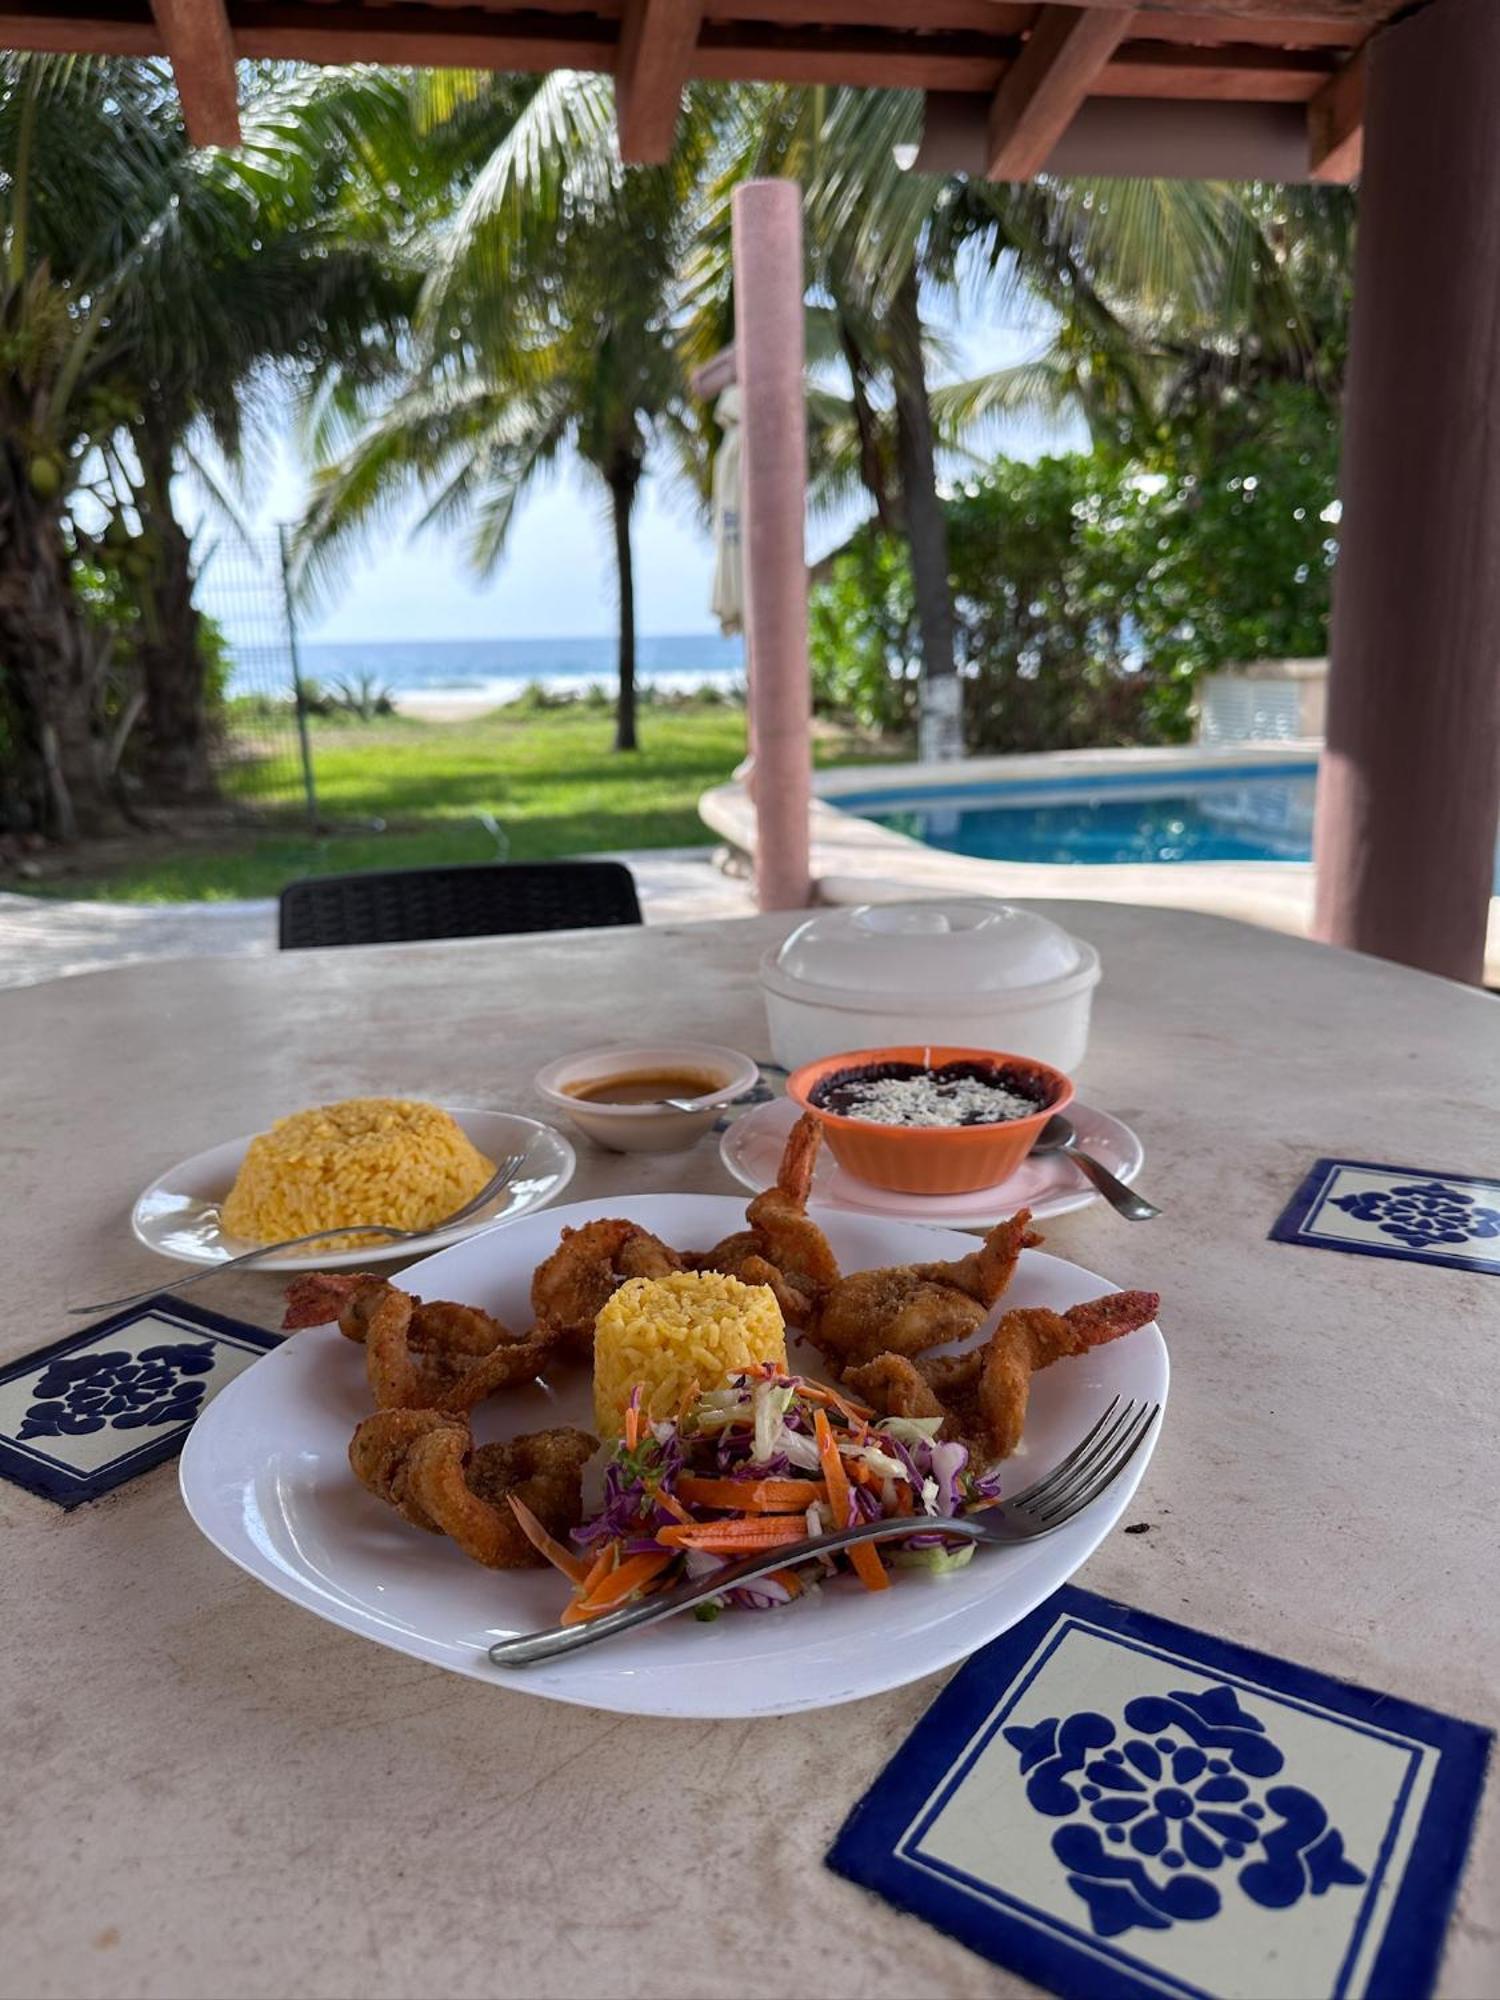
pixel 45 938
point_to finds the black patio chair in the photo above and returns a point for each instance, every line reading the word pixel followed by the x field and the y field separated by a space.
pixel 481 899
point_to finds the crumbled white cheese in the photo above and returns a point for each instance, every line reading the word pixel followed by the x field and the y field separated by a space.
pixel 928 1100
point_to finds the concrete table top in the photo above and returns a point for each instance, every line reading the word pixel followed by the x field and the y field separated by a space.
pixel 209 1792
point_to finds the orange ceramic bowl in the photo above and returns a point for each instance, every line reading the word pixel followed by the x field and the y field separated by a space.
pixel 933 1159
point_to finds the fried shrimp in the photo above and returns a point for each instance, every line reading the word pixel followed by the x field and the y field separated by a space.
pixel 982 1396
pixel 465 1492
pixel 421 1356
pixel 895 1386
pixel 324 1296
pixel 569 1290
pixel 351 1299
pixel 907 1308
pixel 1030 1338
pixel 378 1452
pixel 783 1247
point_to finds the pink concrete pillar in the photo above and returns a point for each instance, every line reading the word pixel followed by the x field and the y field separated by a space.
pixel 768 345
pixel 1410 784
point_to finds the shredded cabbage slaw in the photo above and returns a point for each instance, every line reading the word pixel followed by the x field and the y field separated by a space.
pixel 765 1461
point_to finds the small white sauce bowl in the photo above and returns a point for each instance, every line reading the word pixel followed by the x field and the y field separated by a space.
pixel 645 1128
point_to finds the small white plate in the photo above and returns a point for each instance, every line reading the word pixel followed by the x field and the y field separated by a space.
pixel 1049 1185
pixel 178 1215
pixel 265 1475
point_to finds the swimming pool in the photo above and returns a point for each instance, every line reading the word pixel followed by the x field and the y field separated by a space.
pixel 1251 813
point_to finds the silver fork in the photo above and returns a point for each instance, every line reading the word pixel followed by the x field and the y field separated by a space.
pixel 1092 1465
pixel 502 1177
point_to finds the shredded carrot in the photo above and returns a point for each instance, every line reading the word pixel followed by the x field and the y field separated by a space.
pixel 867 1564
pixel 764 1531
pixel 904 1500
pixel 752 1496
pixel 631 1575
pixel 632 1425
pixel 560 1558
pixel 602 1565
pixel 689 1398
pixel 673 1506
pixel 819 1392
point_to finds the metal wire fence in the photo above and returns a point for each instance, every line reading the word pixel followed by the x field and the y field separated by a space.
pixel 263 754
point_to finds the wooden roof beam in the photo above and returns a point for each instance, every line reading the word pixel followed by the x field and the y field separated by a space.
pixel 1044 87
pixel 1336 124
pixel 657 40
pixel 197 37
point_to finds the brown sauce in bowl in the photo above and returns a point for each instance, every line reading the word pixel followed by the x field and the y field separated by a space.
pixel 644 1086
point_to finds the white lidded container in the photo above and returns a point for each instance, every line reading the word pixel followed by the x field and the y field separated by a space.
pixel 965 971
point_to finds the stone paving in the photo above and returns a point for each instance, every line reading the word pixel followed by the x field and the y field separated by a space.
pixel 42 938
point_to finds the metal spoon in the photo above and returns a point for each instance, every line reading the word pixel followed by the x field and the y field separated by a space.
pixel 1059 1135
pixel 505 1172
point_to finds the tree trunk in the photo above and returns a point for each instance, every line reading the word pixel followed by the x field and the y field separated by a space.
pixel 872 460
pixel 622 489
pixel 926 527
pixel 177 768
pixel 53 660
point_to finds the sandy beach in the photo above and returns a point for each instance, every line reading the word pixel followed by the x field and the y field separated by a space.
pixel 452 704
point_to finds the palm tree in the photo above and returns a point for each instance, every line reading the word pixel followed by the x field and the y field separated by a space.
pixel 884 243
pixel 1259 296
pixel 151 291
pixel 251 266
pixel 549 323
pixel 57 350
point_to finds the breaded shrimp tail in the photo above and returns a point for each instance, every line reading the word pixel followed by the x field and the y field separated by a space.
pixel 907 1308
pixel 982 1395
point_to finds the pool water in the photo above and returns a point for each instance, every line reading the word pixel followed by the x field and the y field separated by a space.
pixel 1262 814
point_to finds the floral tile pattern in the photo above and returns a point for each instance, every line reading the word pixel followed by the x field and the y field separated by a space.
pixel 1115 1806
pixel 93 1410
pixel 1406 1212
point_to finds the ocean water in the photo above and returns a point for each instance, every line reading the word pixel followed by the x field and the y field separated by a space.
pixel 500 668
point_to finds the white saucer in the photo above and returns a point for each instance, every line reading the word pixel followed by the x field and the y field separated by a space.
pixel 178 1215
pixel 1048 1185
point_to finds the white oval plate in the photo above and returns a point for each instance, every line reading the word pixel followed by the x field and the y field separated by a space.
pixel 178 1215
pixel 751 1149
pixel 265 1475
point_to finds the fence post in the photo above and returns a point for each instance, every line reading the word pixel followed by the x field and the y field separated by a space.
pixel 309 786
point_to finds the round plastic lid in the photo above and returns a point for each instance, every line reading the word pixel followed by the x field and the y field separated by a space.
pixel 941 950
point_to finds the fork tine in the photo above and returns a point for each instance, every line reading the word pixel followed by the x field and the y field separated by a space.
pixel 1126 1450
pixel 1082 1472
pixel 1030 1495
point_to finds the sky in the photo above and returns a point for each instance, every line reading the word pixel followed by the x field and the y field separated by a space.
pixel 556 578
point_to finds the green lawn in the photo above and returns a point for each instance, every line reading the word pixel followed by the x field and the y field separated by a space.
pixel 549 779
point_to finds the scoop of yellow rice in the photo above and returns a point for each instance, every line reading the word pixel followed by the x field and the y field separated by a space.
pixel 368 1159
pixel 669 1333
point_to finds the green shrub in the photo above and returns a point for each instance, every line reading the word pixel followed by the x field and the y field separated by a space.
pixel 1091 589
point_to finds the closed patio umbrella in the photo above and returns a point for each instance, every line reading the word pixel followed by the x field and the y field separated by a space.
pixel 727 601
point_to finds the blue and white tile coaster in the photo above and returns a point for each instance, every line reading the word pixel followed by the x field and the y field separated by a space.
pixel 1406 1212
pixel 91 1411
pixel 1115 1806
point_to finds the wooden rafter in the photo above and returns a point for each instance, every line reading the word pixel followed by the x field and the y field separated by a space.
pixel 1336 124
pixel 197 37
pixel 1362 13
pixel 1043 88
pixel 1026 66
pixel 657 40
